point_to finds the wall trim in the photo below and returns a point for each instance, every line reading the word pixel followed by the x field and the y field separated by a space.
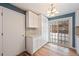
pixel 73 23
pixel 12 7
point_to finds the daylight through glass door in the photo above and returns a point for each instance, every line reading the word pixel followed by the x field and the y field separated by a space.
pixel 59 33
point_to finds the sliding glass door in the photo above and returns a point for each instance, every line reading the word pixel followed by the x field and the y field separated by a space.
pixel 60 33
pixel 63 33
pixel 54 32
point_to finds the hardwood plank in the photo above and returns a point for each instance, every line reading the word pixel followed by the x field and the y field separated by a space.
pixel 54 50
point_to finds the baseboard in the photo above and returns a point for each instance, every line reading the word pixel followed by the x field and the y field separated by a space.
pixel 36 50
pixel 40 48
pixel 28 53
pixel 73 49
pixel 21 54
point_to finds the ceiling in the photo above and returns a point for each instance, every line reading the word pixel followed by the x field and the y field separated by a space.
pixel 41 8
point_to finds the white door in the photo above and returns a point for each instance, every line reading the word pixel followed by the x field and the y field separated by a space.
pixel 14 30
pixel 0 31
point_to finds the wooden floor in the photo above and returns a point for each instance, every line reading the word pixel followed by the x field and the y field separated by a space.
pixel 54 50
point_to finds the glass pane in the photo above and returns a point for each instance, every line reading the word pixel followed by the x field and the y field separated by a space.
pixel 59 33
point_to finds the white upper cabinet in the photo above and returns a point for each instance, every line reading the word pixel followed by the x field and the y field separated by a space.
pixel 31 20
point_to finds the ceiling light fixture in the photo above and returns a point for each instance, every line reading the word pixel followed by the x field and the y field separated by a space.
pixel 52 10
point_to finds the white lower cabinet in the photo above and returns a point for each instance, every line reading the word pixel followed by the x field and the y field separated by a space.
pixel 33 44
pixel 29 45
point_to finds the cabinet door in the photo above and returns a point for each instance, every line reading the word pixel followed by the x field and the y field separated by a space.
pixel 29 19
pixel 14 30
pixel 32 20
pixel 35 45
pixel 0 31
pixel 29 45
pixel 35 20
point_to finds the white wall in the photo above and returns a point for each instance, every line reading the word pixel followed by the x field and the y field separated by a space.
pixel 45 28
pixel 43 37
pixel 77 37
pixel 77 18
pixel 43 31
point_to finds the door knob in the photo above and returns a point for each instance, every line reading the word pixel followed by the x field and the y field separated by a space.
pixel 23 35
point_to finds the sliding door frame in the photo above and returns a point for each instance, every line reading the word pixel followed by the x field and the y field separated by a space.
pixel 73 24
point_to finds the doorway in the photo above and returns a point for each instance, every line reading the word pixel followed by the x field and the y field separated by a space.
pixel 60 32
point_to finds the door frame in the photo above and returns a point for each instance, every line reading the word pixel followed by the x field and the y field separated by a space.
pixel 73 24
pixel 52 22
